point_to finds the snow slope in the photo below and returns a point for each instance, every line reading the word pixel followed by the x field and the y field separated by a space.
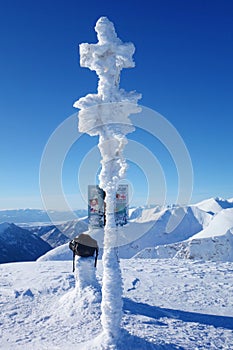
pixel 168 304
pixel 215 242
pixel 150 228
pixel 214 205
pixel 152 233
pixel 221 223
pixel 60 253
pixel 219 248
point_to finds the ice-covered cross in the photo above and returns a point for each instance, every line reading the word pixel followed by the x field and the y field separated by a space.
pixel 106 114
pixel 108 57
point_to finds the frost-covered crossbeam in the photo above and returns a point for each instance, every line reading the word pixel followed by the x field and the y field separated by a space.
pixel 111 104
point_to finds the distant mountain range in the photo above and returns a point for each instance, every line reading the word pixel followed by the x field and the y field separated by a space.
pixel 31 241
pixel 204 232
pixel 57 235
pixel 18 244
pixel 20 216
pixel 200 231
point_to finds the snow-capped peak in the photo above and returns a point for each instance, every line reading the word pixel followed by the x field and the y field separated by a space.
pixel 214 205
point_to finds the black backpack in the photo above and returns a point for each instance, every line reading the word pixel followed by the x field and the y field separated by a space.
pixel 84 246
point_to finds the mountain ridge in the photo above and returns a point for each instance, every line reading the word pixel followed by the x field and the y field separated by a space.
pixel 18 244
pixel 160 231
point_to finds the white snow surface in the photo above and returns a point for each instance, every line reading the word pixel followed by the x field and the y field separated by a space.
pixel 214 205
pixel 221 223
pixel 179 296
pixel 151 228
pixel 219 248
pixel 200 235
pixel 167 304
pixel 214 242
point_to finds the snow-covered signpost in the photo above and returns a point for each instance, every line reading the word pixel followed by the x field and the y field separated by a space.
pixel 106 114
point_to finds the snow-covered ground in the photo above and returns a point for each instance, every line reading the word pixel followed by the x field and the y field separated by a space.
pixel 168 304
pixel 183 300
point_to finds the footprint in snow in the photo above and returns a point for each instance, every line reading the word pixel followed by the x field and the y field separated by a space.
pixel 135 284
pixel 26 293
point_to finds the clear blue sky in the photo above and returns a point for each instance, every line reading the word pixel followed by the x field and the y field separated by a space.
pixel 184 70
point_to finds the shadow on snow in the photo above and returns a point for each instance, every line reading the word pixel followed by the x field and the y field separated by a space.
pixel 132 342
pixel 156 313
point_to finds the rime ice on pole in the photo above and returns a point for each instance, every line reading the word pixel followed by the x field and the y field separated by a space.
pixel 107 114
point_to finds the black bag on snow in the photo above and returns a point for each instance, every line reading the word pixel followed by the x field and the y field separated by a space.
pixel 84 246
